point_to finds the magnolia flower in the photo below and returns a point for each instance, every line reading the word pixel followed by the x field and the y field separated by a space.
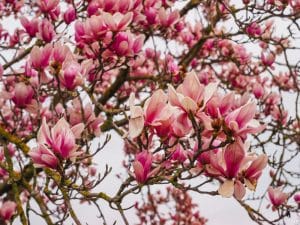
pixel 70 76
pixel 23 95
pixel 46 31
pixel 156 109
pixel 61 138
pixel 254 171
pixel 60 52
pixel 297 198
pixel 42 156
pixel 268 59
pixel 47 5
pixel 191 94
pixel 142 166
pixel 7 210
pixel 277 197
pixel 241 121
pixel 117 21
pixel 40 56
pixel 31 27
pixel 70 15
pixel 167 18
pixel 125 44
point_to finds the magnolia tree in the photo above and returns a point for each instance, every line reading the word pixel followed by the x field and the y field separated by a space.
pixel 204 94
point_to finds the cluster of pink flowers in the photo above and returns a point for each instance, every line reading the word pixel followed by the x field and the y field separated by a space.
pixel 171 116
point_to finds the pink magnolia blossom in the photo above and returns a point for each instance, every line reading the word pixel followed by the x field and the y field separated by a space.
pixel 31 27
pixel 156 109
pixel 60 52
pixel 277 197
pixel 241 122
pixel 268 59
pixel 166 18
pixel 142 166
pixel 70 77
pixel 42 156
pixel 125 44
pixel 191 95
pixel 258 90
pixel 179 154
pixel 7 210
pixel 297 198
pixel 117 21
pixel 46 31
pixel 40 56
pixel 70 15
pixel 254 171
pixel 95 27
pixel 151 15
pixel 47 5
pixel 61 138
pixel 254 29
pixel 23 95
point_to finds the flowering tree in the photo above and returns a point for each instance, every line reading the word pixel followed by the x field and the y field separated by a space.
pixel 205 95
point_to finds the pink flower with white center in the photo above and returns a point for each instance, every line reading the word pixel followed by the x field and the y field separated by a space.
pixel 40 57
pixel 42 156
pixel 277 197
pixel 117 21
pixel 31 27
pixel 70 15
pixel 23 95
pixel 191 95
pixel 7 210
pixel 125 44
pixel 142 167
pixel 70 77
pixel 46 31
pixel 61 138
pixel 241 122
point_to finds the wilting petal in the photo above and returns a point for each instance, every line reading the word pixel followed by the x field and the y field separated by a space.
pixel 136 121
